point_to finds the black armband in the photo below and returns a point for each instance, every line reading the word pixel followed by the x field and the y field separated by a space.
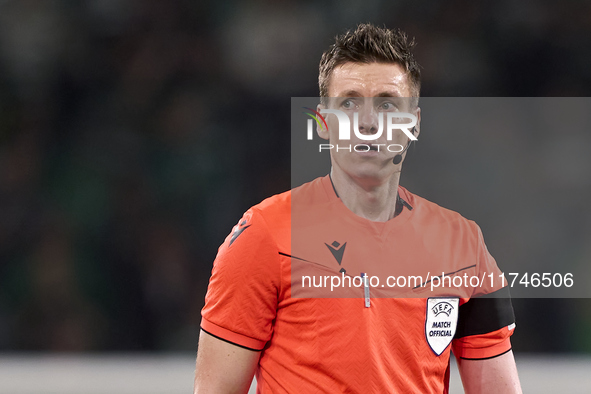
pixel 481 315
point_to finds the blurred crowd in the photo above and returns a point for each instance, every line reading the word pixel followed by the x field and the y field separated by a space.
pixel 133 134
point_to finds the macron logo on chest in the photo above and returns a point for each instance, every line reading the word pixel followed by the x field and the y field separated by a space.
pixel 337 250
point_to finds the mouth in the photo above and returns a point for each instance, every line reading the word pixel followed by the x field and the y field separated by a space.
pixel 364 148
pixel 374 150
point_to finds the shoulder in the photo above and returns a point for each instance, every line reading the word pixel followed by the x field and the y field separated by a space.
pixel 277 209
pixel 430 214
pixel 272 216
pixel 273 209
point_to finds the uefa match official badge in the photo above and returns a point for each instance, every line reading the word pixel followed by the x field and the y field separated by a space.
pixel 441 322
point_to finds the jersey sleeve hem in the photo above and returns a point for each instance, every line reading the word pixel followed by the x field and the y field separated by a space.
pixel 487 358
pixel 472 353
pixel 231 336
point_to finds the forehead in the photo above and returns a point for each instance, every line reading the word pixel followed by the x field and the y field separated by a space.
pixel 369 80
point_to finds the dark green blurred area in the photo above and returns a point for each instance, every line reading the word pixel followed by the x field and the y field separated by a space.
pixel 133 134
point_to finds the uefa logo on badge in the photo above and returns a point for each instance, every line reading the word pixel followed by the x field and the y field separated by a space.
pixel 441 322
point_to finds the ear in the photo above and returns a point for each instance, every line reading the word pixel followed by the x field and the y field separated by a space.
pixel 321 129
pixel 418 125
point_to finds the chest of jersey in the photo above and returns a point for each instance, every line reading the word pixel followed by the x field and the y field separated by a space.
pixel 334 255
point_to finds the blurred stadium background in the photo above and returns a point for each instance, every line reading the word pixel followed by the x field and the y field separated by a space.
pixel 133 134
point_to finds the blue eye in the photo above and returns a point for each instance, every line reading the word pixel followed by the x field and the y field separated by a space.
pixel 347 104
pixel 387 106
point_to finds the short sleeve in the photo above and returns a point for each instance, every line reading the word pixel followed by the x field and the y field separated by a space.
pixel 484 346
pixel 487 269
pixel 241 300
pixel 486 321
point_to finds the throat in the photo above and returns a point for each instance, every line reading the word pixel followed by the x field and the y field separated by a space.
pixel 378 203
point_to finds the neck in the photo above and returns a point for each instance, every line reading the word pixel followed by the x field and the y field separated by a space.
pixel 370 198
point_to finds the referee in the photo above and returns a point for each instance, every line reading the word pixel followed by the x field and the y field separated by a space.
pixel 256 320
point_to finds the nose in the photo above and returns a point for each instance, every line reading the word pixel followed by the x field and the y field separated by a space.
pixel 368 121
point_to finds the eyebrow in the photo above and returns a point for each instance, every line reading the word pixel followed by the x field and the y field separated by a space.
pixel 354 93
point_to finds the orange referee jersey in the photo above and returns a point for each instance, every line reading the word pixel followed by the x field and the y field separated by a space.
pixel 370 338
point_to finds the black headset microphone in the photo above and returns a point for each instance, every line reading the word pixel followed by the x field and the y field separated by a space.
pixel 398 158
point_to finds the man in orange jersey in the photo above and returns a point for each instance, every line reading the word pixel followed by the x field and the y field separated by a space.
pixel 271 308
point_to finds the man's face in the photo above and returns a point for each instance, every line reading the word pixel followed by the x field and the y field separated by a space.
pixel 371 90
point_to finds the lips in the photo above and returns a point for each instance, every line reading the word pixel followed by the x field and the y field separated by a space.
pixel 373 150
